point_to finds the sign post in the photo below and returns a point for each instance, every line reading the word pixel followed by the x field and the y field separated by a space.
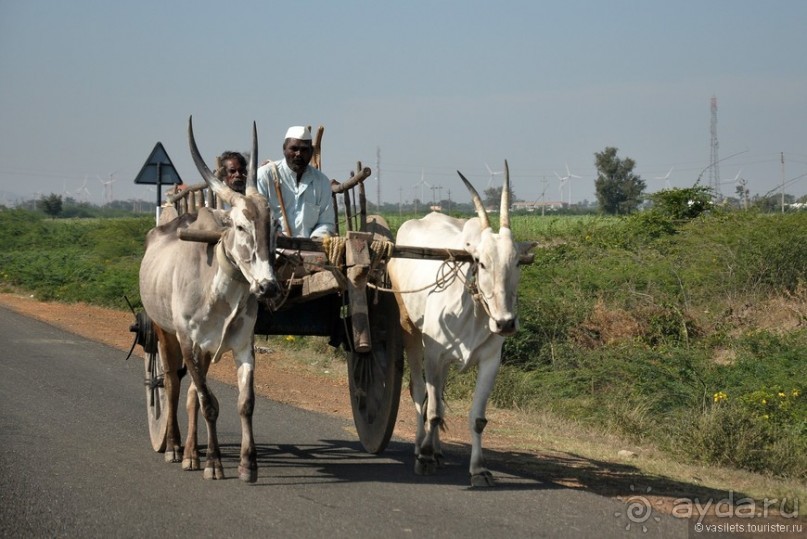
pixel 158 170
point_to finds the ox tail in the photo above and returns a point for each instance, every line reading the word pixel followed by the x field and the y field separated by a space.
pixel 438 422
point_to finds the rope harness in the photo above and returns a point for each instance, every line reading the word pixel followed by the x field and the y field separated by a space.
pixel 227 265
pixel 381 251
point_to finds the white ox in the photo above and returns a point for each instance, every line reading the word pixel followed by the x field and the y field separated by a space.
pixel 203 301
pixel 463 321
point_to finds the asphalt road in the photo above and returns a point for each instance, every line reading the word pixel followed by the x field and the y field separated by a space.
pixel 75 461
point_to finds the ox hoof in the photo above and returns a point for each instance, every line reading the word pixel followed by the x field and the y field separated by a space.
pixel 482 479
pixel 190 465
pixel 425 466
pixel 173 456
pixel 248 475
pixel 214 472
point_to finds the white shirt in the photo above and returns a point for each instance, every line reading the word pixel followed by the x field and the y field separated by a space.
pixel 308 204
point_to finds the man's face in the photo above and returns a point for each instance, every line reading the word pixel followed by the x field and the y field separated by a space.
pixel 298 154
pixel 234 175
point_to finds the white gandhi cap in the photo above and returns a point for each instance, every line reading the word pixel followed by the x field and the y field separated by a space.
pixel 299 132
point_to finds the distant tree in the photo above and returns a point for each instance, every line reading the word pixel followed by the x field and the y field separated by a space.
pixel 51 204
pixel 492 197
pixel 619 190
pixel 772 203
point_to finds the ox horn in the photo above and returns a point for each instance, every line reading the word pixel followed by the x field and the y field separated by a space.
pixel 504 213
pixel 252 171
pixel 219 187
pixel 480 208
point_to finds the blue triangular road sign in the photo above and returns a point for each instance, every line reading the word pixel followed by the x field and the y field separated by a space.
pixel 158 168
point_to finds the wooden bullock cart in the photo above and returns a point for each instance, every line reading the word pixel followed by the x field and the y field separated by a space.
pixel 337 288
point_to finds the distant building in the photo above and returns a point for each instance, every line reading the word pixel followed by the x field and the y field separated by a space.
pixel 528 206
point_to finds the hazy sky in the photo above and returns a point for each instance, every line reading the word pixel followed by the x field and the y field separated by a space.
pixel 87 88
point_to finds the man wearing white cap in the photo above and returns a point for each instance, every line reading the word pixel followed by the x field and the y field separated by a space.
pixel 305 191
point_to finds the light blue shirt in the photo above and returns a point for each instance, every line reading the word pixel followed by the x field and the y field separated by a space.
pixel 308 204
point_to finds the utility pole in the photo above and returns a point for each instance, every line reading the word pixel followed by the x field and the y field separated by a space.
pixel 714 171
pixel 742 190
pixel 378 176
pixel 782 156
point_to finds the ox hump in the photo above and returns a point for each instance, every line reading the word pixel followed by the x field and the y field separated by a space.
pixel 433 230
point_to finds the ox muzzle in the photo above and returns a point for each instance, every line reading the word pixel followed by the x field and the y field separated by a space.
pixel 505 327
pixel 266 290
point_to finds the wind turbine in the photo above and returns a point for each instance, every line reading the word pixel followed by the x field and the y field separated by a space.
pixel 422 184
pixel 566 180
pixel 82 193
pixel 666 179
pixel 734 180
pixel 492 175
pixel 108 187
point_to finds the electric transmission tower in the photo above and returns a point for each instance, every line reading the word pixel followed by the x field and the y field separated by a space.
pixel 378 176
pixel 714 169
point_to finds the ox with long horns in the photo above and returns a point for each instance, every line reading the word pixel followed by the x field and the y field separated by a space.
pixel 203 301
pixel 460 320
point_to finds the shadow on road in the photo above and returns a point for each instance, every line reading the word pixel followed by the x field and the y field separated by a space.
pixel 335 461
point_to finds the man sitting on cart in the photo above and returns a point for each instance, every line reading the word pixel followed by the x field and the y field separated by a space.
pixel 231 168
pixel 299 194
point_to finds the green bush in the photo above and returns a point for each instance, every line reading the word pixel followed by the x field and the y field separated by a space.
pixel 731 434
pixel 91 260
pixel 682 203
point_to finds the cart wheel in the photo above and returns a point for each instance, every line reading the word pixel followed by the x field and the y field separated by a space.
pixel 375 376
pixel 156 400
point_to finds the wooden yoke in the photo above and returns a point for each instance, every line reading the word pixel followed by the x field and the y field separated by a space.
pixel 357 261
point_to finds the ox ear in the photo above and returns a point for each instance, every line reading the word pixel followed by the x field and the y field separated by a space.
pixel 524 247
pixel 216 185
pixel 524 255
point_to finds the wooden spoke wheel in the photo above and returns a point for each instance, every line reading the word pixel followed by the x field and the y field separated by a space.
pixel 156 400
pixel 375 377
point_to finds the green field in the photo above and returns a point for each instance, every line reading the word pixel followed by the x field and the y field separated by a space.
pixel 685 333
